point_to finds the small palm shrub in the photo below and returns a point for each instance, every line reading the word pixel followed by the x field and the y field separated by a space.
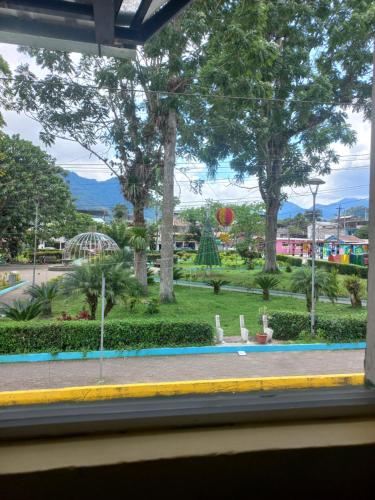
pixel 150 276
pixel 266 282
pixel 21 310
pixel 44 294
pixel 325 283
pixel 217 284
pixel 152 306
pixel 354 287
pixel 178 273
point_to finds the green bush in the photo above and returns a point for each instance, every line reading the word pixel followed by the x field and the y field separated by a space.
pixel 360 271
pixel 288 259
pixel 288 326
pixel 62 336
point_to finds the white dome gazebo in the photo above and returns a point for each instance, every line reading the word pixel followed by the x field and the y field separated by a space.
pixel 87 246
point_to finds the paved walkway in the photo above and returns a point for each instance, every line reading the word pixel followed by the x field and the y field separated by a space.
pixel 26 272
pixel 18 376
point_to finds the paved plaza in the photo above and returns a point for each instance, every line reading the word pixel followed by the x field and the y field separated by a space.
pixel 18 376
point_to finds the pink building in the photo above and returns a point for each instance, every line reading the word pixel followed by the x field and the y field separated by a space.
pixel 299 247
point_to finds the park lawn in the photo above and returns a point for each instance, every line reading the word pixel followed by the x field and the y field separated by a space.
pixel 202 305
pixel 245 278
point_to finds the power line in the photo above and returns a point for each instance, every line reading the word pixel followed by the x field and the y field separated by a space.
pixel 190 94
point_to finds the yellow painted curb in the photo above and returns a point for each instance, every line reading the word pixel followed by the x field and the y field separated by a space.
pixel 93 393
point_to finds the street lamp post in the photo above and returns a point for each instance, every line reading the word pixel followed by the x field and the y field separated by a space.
pixel 314 186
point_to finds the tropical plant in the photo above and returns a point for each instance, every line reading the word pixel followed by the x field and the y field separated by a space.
pixel 266 282
pixel 150 276
pixel 354 286
pixel 178 273
pixel 324 283
pixel 217 284
pixel 44 294
pixel 138 240
pixel 87 280
pixel 119 282
pixel 21 310
pixel 152 306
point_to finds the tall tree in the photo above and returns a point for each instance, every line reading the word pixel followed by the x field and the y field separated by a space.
pixel 98 103
pixel 172 59
pixel 29 178
pixel 287 70
pixel 120 212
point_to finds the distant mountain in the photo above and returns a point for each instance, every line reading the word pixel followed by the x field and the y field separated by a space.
pixel 329 211
pixel 93 194
pixel 289 210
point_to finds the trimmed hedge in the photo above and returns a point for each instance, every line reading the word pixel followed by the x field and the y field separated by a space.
pixel 64 336
pixel 350 269
pixel 287 326
pixel 288 259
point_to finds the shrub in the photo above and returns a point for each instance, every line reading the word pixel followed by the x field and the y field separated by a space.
pixel 217 284
pixel 60 336
pixel 21 310
pixel 288 259
pixel 361 271
pixel 44 293
pixel 288 269
pixel 288 326
pixel 354 287
pixel 150 276
pixel 266 282
pixel 152 306
pixel 325 283
pixel 178 273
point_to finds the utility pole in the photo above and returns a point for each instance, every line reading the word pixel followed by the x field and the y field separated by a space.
pixel 338 222
pixel 35 238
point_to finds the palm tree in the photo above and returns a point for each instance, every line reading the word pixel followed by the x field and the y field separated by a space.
pixel 87 280
pixel 119 282
pixel 354 286
pixel 217 284
pixel 266 282
pixel 139 242
pixel 21 310
pixel 324 283
pixel 44 294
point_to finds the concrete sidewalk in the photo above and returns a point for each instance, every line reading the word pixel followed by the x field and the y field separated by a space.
pixel 19 376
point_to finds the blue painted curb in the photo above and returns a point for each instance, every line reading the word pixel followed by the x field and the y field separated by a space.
pixel 11 288
pixel 175 351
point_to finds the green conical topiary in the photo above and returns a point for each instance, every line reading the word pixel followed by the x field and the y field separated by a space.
pixel 208 254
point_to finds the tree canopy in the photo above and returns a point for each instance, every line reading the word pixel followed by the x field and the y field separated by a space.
pixel 29 177
pixel 289 71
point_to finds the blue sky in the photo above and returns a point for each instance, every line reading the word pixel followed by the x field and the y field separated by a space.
pixel 349 179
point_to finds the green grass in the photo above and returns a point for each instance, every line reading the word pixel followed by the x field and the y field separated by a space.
pixel 202 304
pixel 245 278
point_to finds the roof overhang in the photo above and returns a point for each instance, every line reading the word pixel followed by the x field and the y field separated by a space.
pixel 100 27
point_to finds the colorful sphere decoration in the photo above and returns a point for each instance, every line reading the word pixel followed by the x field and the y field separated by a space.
pixel 225 216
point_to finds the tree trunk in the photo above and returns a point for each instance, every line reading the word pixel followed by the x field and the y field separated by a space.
pixel 272 209
pixel 93 304
pixel 266 294
pixel 166 255
pixel 108 307
pixel 140 256
pixel 355 300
